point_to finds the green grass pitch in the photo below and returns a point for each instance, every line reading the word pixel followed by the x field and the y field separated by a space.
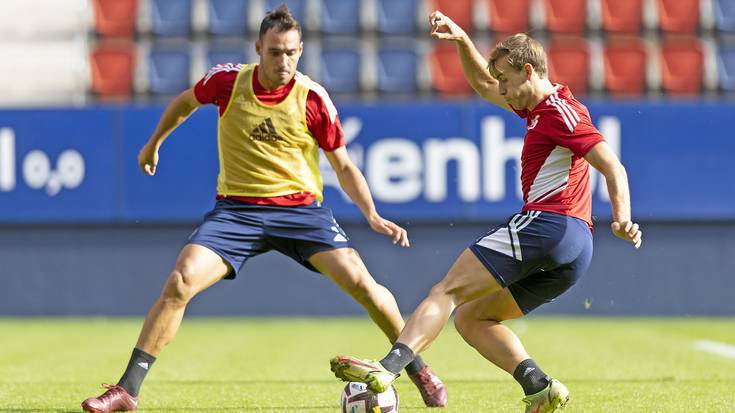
pixel 611 365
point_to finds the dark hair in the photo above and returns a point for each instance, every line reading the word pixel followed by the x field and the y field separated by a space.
pixel 281 19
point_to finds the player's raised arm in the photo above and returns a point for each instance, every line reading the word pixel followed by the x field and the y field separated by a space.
pixel 602 158
pixel 176 112
pixel 354 184
pixel 473 64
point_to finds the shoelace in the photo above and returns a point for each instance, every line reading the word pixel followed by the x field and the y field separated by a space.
pixel 112 391
pixel 427 379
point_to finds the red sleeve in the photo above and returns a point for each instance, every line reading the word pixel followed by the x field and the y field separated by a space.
pixel 579 136
pixel 322 120
pixel 216 86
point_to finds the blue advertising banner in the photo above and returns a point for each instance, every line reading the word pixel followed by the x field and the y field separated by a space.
pixel 423 161
pixel 59 165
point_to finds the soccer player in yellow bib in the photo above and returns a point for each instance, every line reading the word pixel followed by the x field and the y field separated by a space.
pixel 272 122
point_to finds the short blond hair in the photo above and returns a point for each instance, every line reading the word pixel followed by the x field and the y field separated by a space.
pixel 519 49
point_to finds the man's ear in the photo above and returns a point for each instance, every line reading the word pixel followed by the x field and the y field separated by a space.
pixel 258 46
pixel 528 69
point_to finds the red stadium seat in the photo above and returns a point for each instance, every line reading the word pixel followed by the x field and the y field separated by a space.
pixel 115 17
pixel 678 16
pixel 625 66
pixel 447 76
pixel 112 65
pixel 682 66
pixel 458 10
pixel 508 17
pixel 622 16
pixel 569 61
pixel 566 16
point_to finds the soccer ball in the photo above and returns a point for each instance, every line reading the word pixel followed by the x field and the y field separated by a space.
pixel 356 398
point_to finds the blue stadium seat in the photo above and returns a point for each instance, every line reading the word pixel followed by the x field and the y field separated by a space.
pixel 725 15
pixel 397 69
pixel 726 68
pixel 171 17
pixel 297 7
pixel 228 17
pixel 339 69
pixel 226 53
pixel 396 17
pixel 340 17
pixel 169 69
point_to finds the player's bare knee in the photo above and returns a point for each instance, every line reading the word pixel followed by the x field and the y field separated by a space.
pixel 363 289
pixel 445 289
pixel 178 288
pixel 463 321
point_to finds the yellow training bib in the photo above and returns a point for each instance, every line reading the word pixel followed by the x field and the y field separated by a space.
pixel 266 150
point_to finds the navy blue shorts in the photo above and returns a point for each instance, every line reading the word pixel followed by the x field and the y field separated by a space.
pixel 237 231
pixel 536 255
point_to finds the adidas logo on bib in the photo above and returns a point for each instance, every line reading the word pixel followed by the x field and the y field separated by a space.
pixel 265 132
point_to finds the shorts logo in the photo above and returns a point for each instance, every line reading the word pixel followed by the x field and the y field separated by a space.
pixel 505 240
pixel 265 132
pixel 340 237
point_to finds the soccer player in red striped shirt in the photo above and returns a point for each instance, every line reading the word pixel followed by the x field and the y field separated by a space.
pixel 541 251
pixel 272 122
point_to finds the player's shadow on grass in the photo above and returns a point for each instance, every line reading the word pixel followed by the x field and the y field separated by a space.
pixel 460 381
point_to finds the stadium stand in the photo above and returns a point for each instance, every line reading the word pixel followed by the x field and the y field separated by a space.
pixel 169 68
pixel 398 68
pixel 622 16
pixel 581 35
pixel 566 16
pixel 625 66
pixel 44 20
pixel 445 67
pixel 228 17
pixel 569 62
pixel 340 67
pixel 170 17
pixel 682 66
pixel 678 16
pixel 25 66
pixel 115 17
pixel 396 17
pixel 508 17
pixel 340 17
pixel 724 13
pixel 459 10
pixel 227 52
pixel 726 68
pixel 112 65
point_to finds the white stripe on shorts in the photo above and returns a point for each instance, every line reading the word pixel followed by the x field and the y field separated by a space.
pixel 505 240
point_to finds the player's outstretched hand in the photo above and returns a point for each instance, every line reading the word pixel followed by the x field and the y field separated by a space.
pixel 628 231
pixel 383 226
pixel 442 27
pixel 148 159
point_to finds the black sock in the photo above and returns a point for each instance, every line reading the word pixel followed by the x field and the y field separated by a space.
pixel 398 358
pixel 415 366
pixel 138 366
pixel 530 376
